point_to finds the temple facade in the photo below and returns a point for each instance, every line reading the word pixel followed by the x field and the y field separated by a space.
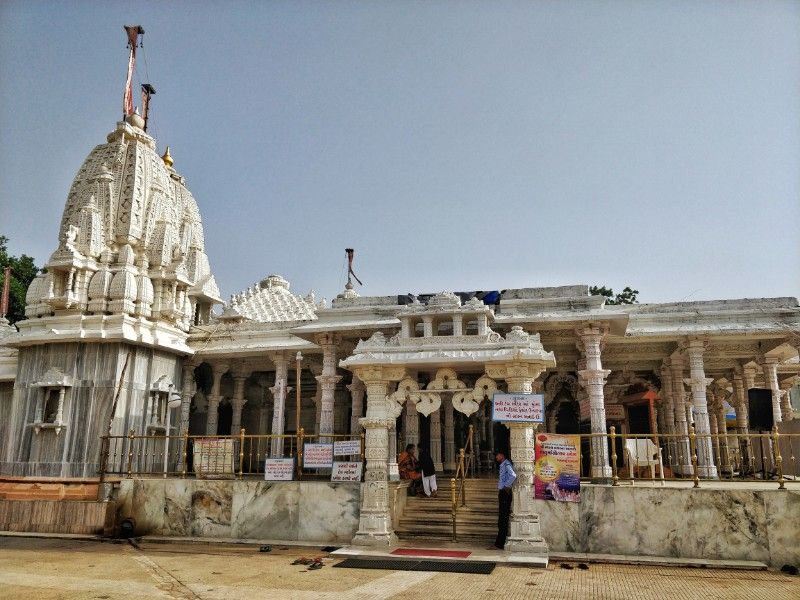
pixel 122 321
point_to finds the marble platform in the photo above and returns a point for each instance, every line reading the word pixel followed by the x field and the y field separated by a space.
pixel 313 511
pixel 720 524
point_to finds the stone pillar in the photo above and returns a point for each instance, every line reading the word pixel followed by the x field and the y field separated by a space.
pixel 327 382
pixel 188 389
pixel 594 377
pixel 712 427
pixel 375 520
pixel 436 439
pixel 412 423
pixel 787 413
pixel 449 437
pixel 264 415
pixel 722 429
pixel 669 413
pixel 770 367
pixel 279 392
pixel 458 324
pixel 524 532
pixel 238 401
pixel 698 382
pixel 357 391
pixel 212 417
pixel 742 418
pixel 393 467
pixel 427 326
pixel 683 460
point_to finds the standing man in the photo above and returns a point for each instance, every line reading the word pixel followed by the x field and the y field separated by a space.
pixel 505 481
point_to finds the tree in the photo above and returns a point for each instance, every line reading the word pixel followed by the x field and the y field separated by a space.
pixel 23 270
pixel 626 296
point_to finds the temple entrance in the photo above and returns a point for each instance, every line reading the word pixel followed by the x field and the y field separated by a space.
pixel 639 419
pixel 568 418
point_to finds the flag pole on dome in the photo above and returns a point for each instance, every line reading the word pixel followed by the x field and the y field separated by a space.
pixel 147 91
pixel 133 32
pixel 350 252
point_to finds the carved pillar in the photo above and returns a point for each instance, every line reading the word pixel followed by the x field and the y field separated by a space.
pixel 458 324
pixel 698 382
pixel 525 532
pixel 449 437
pixel 427 326
pixel 742 418
pixel 357 391
pixel 683 450
pixel 375 521
pixel 327 382
pixel 412 423
pixel 238 401
pixel 393 467
pixel 669 412
pixel 436 439
pixel 770 367
pixel 712 426
pixel 188 389
pixel 279 391
pixel 212 417
pixel 722 429
pixel 264 416
pixel 594 377
pixel 786 401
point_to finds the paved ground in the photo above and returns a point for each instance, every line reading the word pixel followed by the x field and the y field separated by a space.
pixel 71 569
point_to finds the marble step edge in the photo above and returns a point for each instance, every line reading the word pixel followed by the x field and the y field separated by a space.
pixel 659 561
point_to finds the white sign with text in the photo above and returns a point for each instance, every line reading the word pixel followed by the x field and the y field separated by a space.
pixel 317 456
pixel 279 469
pixel 347 448
pixel 519 408
pixel 346 471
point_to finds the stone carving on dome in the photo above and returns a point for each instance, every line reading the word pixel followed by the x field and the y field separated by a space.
pixel 445 300
pixel 124 241
pixel 270 301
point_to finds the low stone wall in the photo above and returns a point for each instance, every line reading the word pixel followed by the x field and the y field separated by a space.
pixel 761 525
pixel 314 511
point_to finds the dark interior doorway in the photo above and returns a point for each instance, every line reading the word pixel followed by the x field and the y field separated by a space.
pixel 568 418
pixel 425 432
pixel 224 418
pixel 639 419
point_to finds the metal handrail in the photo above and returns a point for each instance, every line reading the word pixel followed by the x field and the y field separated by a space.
pixel 466 463
pixel 138 454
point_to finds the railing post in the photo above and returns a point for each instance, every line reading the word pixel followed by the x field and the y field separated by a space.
pixel 778 458
pixel 462 460
pixel 300 435
pixel 693 449
pixel 241 451
pixel 453 505
pixel 185 451
pixel 131 434
pixel 362 437
pixel 614 476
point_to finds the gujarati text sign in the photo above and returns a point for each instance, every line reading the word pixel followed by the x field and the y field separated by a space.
pixel 346 471
pixel 317 456
pixel 279 469
pixel 213 458
pixel 557 468
pixel 521 408
pixel 347 447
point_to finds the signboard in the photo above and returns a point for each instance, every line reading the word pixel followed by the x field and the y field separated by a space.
pixel 615 412
pixel 213 458
pixel 279 469
pixel 317 456
pixel 347 448
pixel 557 472
pixel 346 471
pixel 520 408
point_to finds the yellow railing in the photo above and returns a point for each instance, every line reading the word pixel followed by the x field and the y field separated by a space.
pixel 466 464
pixel 174 455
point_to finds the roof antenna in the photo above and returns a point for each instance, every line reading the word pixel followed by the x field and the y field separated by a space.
pixel 349 286
pixel 147 91
pixel 133 32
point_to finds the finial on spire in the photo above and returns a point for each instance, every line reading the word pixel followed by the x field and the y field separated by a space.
pixel 133 33
pixel 167 158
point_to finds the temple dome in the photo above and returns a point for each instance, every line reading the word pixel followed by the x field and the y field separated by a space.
pixel 129 205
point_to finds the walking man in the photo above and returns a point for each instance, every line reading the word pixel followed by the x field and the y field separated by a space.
pixel 505 482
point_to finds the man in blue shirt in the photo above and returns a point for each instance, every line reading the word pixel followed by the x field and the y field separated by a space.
pixel 505 482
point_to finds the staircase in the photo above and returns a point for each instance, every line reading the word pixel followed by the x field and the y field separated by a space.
pixel 431 518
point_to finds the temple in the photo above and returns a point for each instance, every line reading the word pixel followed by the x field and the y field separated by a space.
pixel 123 321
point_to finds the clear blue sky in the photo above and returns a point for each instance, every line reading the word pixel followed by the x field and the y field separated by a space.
pixel 456 145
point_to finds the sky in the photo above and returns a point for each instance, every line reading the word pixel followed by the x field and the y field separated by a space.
pixel 455 145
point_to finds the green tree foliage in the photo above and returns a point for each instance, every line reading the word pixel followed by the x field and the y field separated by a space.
pixel 626 296
pixel 22 273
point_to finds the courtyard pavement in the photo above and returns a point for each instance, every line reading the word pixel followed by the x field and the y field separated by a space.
pixel 87 569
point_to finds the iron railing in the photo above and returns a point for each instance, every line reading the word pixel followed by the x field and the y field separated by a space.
pixel 236 455
pixel 458 492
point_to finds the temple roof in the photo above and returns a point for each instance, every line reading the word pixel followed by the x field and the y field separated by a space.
pixel 270 301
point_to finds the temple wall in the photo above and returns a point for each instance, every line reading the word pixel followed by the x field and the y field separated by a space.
pixel 6 397
pixel 313 511
pixel 95 369
pixel 686 523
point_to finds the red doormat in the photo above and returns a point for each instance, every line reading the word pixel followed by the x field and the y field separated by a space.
pixel 423 552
